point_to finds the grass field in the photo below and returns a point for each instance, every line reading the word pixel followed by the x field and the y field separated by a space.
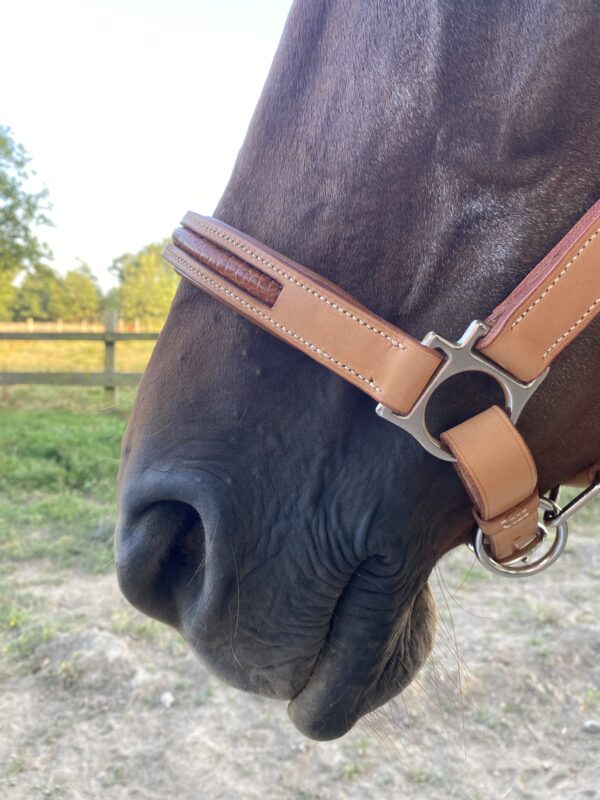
pixel 59 454
pixel 58 462
pixel 57 356
pixel 57 475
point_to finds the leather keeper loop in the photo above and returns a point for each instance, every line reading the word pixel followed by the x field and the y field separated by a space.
pixel 499 474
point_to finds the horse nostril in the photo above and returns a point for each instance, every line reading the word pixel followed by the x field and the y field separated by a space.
pixel 160 558
pixel 186 551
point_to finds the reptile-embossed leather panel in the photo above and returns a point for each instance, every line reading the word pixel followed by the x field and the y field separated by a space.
pixel 246 277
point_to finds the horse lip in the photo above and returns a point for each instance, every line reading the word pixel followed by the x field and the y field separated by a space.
pixel 330 700
pixel 333 699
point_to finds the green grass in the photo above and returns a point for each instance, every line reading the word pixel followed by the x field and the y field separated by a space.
pixel 59 455
pixel 58 468
pixel 24 625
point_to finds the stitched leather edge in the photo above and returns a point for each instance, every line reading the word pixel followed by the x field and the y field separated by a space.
pixel 551 286
pixel 175 257
pixel 247 278
pixel 570 330
pixel 198 220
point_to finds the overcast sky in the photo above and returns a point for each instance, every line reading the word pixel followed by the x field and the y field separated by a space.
pixel 91 88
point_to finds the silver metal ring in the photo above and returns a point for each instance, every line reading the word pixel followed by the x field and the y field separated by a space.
pixel 522 567
pixel 459 357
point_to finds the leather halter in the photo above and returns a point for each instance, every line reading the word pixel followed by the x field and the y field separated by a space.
pixel 516 345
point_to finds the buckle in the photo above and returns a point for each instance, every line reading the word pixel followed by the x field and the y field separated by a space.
pixel 460 357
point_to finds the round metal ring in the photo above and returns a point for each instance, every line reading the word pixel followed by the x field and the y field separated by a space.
pixel 522 567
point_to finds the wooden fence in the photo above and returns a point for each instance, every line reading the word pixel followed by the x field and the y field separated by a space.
pixel 109 379
pixel 111 322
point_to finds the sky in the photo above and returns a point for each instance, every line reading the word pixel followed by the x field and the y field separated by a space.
pixel 91 89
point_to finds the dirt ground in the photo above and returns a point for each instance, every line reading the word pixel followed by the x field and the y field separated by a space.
pixel 109 705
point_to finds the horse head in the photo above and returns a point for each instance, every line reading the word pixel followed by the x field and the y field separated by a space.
pixel 424 158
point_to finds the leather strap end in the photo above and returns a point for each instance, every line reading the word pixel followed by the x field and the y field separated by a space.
pixel 513 532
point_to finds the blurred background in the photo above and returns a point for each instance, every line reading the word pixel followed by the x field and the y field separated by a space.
pixel 97 701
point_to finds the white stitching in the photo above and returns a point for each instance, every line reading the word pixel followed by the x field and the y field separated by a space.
pixel 510 522
pixel 291 279
pixel 287 331
pixel 572 328
pixel 558 277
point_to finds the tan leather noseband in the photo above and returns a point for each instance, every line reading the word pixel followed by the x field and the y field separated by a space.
pixel 516 344
pixel 304 310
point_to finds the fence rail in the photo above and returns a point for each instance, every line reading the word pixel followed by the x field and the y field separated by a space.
pixel 110 379
pixel 111 321
pixel 104 336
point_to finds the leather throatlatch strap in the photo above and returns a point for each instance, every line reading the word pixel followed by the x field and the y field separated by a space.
pixel 551 306
pixel 304 310
pixel 499 474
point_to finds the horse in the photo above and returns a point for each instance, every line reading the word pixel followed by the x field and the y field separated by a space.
pixel 424 156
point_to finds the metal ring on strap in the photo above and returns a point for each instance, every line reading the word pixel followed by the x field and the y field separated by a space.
pixel 522 566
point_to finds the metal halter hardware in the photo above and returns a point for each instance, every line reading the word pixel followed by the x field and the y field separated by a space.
pixel 522 566
pixel 461 357
pixel 554 518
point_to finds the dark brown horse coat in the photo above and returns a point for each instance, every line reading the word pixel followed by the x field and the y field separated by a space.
pixel 424 156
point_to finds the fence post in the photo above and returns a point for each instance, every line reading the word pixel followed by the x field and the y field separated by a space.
pixel 110 391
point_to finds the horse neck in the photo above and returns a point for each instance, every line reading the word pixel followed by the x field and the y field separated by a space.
pixel 423 157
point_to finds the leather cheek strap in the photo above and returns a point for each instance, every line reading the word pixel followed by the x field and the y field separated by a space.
pixel 551 306
pixel 499 474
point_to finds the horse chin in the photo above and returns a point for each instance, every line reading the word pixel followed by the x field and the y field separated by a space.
pixel 349 682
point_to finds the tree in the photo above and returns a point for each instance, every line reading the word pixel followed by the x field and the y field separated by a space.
pixel 46 295
pixel 110 301
pixel 146 284
pixel 8 294
pixel 80 297
pixel 20 212
pixel 39 294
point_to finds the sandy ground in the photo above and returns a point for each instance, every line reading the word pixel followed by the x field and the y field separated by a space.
pixel 109 706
